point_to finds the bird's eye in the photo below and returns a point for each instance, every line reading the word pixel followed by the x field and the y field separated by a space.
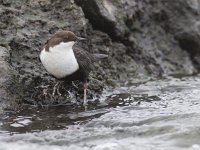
pixel 65 39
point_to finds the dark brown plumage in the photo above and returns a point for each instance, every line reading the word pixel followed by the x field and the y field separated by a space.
pixel 61 36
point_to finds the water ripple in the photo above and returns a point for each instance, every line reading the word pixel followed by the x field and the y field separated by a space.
pixel 160 114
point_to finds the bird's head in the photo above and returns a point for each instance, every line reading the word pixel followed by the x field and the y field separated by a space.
pixel 66 38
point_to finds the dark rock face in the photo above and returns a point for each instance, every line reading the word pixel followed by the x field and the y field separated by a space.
pixel 143 38
pixel 151 30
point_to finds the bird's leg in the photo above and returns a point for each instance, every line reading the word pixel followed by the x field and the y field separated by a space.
pixel 85 93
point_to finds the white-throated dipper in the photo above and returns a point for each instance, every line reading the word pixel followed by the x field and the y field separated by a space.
pixel 65 61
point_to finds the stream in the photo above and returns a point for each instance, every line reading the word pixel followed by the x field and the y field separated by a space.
pixel 152 115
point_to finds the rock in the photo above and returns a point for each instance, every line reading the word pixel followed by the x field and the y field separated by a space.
pixel 5 77
pixel 144 27
pixel 143 39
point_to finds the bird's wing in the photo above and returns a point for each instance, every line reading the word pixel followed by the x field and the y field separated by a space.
pixel 84 59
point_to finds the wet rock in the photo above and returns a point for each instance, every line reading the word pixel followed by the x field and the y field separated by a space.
pixel 143 38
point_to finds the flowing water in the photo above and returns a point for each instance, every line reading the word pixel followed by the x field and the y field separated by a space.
pixel 162 114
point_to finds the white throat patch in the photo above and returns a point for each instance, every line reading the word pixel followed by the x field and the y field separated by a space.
pixel 60 60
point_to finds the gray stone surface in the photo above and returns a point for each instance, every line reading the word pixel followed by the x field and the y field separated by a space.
pixel 143 38
pixel 5 77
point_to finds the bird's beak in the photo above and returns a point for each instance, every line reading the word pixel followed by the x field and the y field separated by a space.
pixel 80 38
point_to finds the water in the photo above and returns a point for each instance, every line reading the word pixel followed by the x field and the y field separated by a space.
pixel 153 115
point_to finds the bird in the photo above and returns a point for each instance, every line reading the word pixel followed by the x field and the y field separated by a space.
pixel 66 61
